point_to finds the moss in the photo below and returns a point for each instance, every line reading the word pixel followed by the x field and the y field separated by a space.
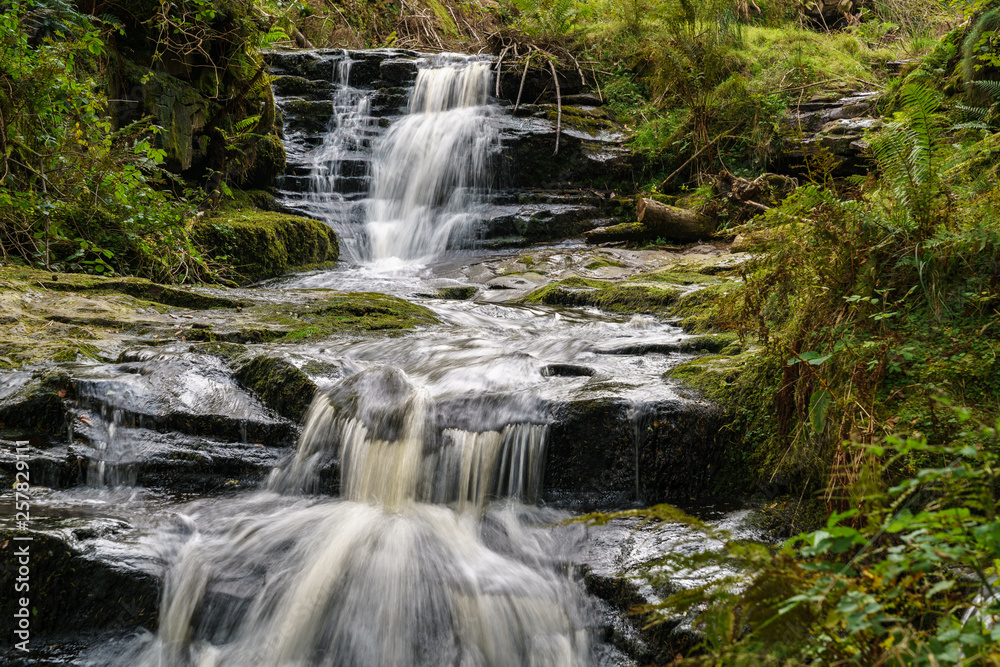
pixel 346 312
pixel 698 309
pixel 710 374
pixel 266 161
pixel 259 245
pixel 607 295
pixel 279 384
pixel 726 344
pixel 601 263
pixel 675 278
pixel 462 293
pixel 974 69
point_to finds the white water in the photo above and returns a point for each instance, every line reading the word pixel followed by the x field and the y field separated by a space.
pixel 432 167
pixel 382 577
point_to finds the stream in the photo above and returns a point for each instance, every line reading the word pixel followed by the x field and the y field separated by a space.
pixel 417 519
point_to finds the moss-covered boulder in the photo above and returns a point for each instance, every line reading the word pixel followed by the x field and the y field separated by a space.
pixel 343 312
pixel 259 245
pixel 279 385
pixel 607 295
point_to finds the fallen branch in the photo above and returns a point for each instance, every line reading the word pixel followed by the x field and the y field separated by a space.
pixel 524 76
pixel 555 77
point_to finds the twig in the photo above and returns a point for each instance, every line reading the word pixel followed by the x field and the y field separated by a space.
pixel 524 76
pixel 500 69
pixel 690 159
pixel 555 77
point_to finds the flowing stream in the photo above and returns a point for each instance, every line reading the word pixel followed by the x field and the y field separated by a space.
pixel 406 528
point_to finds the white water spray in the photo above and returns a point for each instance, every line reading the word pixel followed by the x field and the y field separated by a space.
pixel 432 168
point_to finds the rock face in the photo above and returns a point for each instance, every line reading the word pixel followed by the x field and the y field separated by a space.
pixel 538 196
pixel 70 591
pixel 834 127
pixel 596 446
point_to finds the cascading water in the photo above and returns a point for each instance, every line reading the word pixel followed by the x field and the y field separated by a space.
pixel 431 168
pixel 340 163
pixel 381 577
pixel 425 177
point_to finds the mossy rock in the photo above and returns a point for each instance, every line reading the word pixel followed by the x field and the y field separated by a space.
pixel 459 293
pixel 139 288
pixel 710 374
pixel 259 245
pixel 266 161
pixel 348 312
pixel 279 385
pixel 721 343
pixel 38 403
pixel 607 295
pixel 601 263
pixel 674 277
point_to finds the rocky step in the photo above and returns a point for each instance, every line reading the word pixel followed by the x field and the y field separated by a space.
pixel 286 86
pixel 344 185
pixel 320 64
pixel 539 221
pixel 357 164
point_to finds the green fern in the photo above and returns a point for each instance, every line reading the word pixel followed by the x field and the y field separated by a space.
pixel 910 154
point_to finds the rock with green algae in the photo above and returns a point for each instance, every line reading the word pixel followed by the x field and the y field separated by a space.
pixel 333 313
pixel 260 245
pixel 279 384
pixel 621 297
pixel 710 374
pixel 457 293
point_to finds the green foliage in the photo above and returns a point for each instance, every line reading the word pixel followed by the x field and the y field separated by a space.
pixel 980 55
pixel 913 584
pixel 77 193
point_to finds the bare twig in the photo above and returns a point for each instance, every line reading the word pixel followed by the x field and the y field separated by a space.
pixel 524 76
pixel 555 77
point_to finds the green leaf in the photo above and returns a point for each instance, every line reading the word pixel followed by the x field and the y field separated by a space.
pixel 819 402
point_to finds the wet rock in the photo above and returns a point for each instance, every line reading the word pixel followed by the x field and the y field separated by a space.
pixel 35 401
pixel 399 71
pixel 73 591
pixel 462 293
pixel 567 370
pixel 53 467
pixel 308 116
pixel 176 462
pixel 279 384
pixel 297 86
pixel 190 394
pixel 583 100
pixel 836 127
pixel 591 149
pixel 593 444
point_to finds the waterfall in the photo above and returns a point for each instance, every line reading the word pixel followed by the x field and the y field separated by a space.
pixel 380 428
pixel 340 163
pixel 426 176
pixel 431 168
pixel 414 566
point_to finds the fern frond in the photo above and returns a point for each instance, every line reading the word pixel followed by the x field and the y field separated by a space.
pixel 242 126
pixel 990 87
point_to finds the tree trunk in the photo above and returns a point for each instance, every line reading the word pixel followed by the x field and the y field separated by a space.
pixel 672 223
